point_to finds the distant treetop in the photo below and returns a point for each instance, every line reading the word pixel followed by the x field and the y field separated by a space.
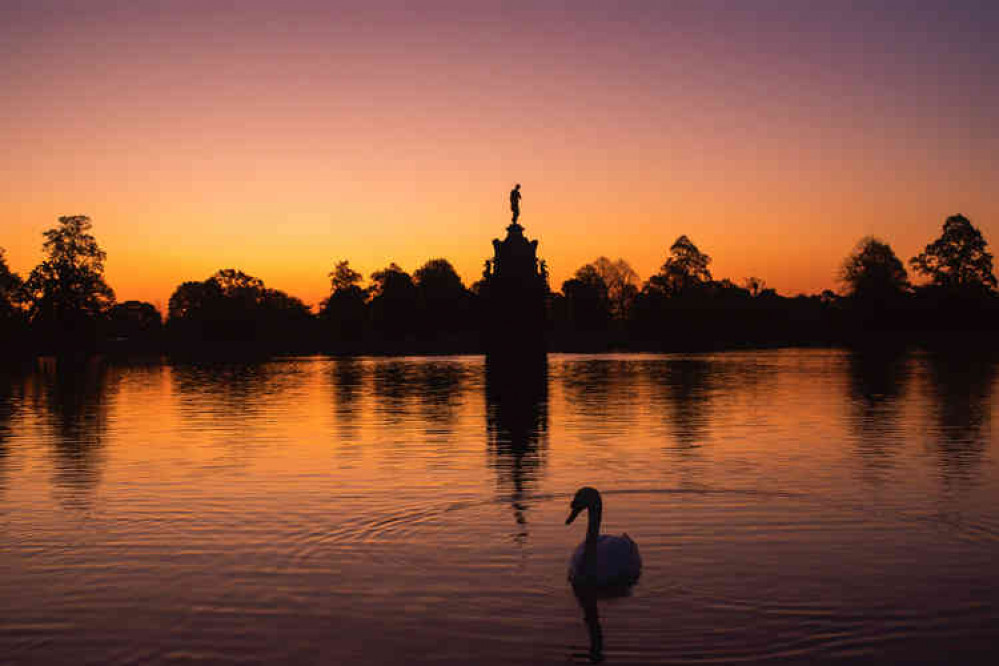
pixel 684 269
pixel 873 271
pixel 959 259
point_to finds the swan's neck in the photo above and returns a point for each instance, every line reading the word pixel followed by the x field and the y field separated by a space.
pixel 593 524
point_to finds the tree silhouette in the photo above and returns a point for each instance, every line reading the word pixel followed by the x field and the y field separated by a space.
pixel 438 280
pixel 67 290
pixel 622 284
pixel 344 278
pixel 587 301
pixel 345 310
pixel 135 323
pixel 876 285
pixel 958 260
pixel 755 286
pixel 278 305
pixel 727 290
pixel 685 270
pixel 393 303
pixel 191 300
pixel 233 307
pixel 872 272
pixel 11 312
pixel 237 284
pixel 442 297
pixel 11 291
pixel 392 281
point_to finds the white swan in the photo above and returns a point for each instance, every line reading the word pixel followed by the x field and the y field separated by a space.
pixel 601 561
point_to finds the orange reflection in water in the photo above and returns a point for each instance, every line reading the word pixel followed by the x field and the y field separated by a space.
pixel 386 506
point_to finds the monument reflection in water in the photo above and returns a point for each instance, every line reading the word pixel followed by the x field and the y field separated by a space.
pixel 517 428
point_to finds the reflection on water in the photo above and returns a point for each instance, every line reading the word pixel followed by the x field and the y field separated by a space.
pixel 347 380
pixel 877 384
pixel 589 599
pixel 11 397
pixel 961 385
pixel 225 402
pixel 685 386
pixel 595 387
pixel 230 390
pixel 958 388
pixel 443 386
pixel 76 396
pixel 394 388
pixel 517 432
pixel 792 506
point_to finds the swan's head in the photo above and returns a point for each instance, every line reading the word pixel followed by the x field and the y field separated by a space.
pixel 586 498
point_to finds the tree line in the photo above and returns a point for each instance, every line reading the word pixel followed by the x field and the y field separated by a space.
pixel 65 305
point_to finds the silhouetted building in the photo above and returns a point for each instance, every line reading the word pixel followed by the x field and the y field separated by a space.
pixel 515 286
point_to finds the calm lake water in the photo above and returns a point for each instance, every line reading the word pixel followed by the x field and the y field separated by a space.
pixel 790 506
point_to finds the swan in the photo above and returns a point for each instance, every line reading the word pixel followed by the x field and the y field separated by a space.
pixel 601 560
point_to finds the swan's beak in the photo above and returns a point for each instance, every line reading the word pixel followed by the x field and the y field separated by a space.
pixel 573 514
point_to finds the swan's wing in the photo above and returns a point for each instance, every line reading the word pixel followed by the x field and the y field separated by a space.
pixel 617 561
pixel 621 559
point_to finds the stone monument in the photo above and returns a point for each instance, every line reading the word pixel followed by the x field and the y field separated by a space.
pixel 515 293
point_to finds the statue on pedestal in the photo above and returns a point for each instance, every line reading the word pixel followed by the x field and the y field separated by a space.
pixel 514 294
pixel 515 202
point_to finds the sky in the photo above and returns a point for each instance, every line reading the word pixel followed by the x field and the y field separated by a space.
pixel 282 137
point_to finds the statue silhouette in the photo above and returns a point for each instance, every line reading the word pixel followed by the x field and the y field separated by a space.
pixel 515 202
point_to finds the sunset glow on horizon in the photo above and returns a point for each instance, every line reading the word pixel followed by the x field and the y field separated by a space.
pixel 279 140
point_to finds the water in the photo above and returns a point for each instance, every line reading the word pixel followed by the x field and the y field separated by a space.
pixel 790 507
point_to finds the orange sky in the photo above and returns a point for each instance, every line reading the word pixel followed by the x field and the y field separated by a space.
pixel 200 137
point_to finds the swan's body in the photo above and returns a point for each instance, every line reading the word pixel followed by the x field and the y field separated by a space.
pixel 601 560
pixel 617 562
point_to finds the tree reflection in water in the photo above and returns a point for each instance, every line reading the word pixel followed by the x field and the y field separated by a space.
pixel 961 386
pixel 11 396
pixel 685 388
pixel 228 401
pixel 395 388
pixel 876 387
pixel 442 385
pixel 77 396
pixel 347 384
